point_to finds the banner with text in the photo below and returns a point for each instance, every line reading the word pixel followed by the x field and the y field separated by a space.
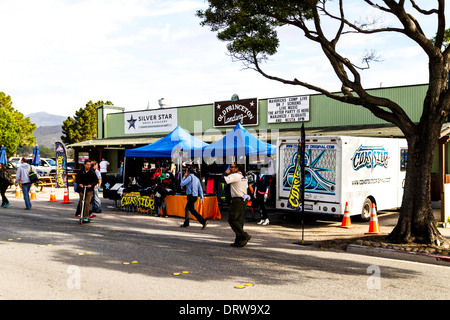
pixel 61 165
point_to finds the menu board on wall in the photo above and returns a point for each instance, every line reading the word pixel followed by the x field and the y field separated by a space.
pixel 230 113
pixel 288 109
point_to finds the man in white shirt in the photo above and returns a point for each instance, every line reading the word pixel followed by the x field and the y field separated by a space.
pixel 104 164
pixel 235 177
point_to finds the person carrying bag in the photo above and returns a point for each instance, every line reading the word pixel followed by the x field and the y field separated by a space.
pixel 24 175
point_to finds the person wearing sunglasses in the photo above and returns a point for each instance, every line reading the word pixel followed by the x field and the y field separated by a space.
pixel 236 178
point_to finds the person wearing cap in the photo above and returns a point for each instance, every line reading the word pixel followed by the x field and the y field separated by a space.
pixel 235 177
pixel 193 191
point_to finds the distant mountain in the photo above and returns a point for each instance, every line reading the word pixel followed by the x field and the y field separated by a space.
pixel 48 135
pixel 44 119
pixel 48 128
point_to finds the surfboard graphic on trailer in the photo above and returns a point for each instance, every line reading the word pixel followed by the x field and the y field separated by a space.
pixel 340 169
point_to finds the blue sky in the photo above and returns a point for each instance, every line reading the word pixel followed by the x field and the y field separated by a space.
pixel 59 54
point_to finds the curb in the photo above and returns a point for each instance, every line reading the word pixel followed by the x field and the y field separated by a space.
pixel 400 255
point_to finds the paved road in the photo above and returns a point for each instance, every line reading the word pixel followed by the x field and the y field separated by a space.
pixel 46 262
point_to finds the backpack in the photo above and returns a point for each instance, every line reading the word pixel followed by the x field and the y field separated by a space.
pixel 8 178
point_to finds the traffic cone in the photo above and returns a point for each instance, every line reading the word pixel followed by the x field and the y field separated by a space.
pixel 66 196
pixel 18 192
pixel 374 227
pixel 52 194
pixel 33 192
pixel 346 222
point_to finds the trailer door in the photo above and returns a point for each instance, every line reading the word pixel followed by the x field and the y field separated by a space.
pixel 320 172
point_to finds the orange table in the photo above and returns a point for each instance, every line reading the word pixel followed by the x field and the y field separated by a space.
pixel 175 205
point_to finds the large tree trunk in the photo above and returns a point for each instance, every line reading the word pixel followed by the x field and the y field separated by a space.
pixel 416 221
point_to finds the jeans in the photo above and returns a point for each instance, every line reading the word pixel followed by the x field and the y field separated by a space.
pixel 26 195
pixel 159 203
pixel 96 203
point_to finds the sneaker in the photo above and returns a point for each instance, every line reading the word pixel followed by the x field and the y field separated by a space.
pixel 92 215
pixel 204 225
pixel 260 222
pixel 6 205
pixel 265 222
pixel 184 226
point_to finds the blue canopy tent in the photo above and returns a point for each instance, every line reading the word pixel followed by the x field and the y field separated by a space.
pixel 179 140
pixel 238 142
pixel 176 145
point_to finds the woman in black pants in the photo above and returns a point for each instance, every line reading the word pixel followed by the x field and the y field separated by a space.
pixel 4 184
pixel 261 189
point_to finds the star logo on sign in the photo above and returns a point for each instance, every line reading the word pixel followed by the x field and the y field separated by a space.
pixel 132 122
pixel 218 106
pixel 252 103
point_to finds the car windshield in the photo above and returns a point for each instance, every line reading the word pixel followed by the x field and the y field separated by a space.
pixel 51 162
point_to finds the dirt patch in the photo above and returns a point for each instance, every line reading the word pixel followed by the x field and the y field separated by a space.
pixel 381 241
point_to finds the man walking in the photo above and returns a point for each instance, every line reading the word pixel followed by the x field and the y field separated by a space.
pixel 86 178
pixel 193 191
pixel 235 177
pixel 22 176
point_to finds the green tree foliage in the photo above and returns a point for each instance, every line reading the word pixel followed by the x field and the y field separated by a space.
pixel 83 126
pixel 15 129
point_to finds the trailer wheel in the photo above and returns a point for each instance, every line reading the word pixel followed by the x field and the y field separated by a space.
pixel 367 207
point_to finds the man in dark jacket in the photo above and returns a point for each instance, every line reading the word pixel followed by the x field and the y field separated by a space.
pixel 86 178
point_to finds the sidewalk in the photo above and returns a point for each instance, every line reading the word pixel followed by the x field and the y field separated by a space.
pixel 326 235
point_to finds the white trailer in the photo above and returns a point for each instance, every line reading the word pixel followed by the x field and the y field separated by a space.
pixel 340 169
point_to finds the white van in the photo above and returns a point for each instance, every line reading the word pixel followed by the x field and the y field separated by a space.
pixel 340 169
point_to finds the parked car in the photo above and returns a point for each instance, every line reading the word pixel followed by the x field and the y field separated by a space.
pixel 15 161
pixel 71 166
pixel 11 168
pixel 47 166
